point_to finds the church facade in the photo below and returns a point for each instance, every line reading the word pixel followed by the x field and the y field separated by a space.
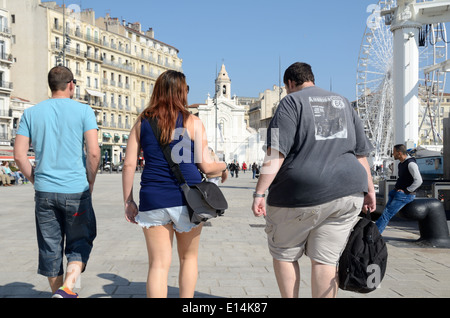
pixel 226 126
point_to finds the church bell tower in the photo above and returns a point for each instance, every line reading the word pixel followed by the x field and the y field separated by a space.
pixel 223 84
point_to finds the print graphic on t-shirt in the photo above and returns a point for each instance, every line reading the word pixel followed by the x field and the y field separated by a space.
pixel 329 117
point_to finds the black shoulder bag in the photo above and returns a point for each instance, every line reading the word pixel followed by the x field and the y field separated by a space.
pixel 204 200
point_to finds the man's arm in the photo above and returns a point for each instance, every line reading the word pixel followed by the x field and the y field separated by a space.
pixel 369 199
pixel 413 169
pixel 92 156
pixel 21 146
pixel 272 164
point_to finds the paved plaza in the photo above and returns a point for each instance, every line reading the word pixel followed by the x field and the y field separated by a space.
pixel 234 261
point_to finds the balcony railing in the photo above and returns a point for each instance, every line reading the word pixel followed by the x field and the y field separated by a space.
pixel 5 113
pixel 6 57
pixel 5 30
pixel 6 85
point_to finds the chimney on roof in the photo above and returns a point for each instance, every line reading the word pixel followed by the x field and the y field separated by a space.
pixel 150 33
pixel 136 26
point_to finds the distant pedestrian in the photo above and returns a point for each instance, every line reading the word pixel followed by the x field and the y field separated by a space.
pixel 7 169
pixel 19 173
pixel 317 170
pixel 254 167
pixel 6 179
pixel 61 130
pixel 232 168
pixel 409 180
pixel 162 210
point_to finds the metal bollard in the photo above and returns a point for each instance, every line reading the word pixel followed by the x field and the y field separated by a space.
pixel 430 214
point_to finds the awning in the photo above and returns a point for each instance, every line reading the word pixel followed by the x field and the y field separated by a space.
pixel 106 135
pixel 95 93
pixel 125 137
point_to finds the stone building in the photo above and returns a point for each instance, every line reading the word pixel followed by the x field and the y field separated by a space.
pixel 114 62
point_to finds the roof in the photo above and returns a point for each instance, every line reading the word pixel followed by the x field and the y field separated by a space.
pixel 195 105
pixel 148 37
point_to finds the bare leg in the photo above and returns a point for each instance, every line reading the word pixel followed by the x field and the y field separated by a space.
pixel 288 278
pixel 159 247
pixel 55 283
pixel 324 281
pixel 74 270
pixel 188 244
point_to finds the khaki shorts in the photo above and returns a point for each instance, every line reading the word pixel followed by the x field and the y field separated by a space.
pixel 320 231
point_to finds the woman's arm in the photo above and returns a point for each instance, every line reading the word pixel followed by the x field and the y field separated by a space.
pixel 128 171
pixel 202 157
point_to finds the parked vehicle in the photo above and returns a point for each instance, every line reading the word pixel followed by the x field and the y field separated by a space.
pixel 117 167
pixel 107 166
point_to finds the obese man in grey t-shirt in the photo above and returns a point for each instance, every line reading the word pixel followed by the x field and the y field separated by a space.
pixel 318 178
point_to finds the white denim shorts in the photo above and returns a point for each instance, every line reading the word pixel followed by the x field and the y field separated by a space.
pixel 178 215
pixel 320 231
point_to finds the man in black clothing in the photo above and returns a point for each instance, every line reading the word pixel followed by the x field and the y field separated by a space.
pixel 409 180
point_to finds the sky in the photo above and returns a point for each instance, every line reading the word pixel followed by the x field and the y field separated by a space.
pixel 255 39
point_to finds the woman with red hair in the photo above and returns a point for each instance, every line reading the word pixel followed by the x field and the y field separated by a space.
pixel 162 210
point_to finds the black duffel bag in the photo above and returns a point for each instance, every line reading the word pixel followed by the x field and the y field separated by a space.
pixel 363 262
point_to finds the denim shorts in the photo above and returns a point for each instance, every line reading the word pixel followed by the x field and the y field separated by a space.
pixel 178 216
pixel 63 218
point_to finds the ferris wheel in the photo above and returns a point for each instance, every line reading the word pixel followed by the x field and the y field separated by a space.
pixel 374 83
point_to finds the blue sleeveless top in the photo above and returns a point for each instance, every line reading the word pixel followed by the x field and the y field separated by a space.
pixel 159 188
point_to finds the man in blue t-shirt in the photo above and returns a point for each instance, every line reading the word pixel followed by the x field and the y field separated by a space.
pixel 63 133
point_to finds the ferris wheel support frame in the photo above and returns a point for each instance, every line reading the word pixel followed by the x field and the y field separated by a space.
pixel 406 20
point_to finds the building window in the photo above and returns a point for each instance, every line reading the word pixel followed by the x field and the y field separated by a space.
pixel 77 92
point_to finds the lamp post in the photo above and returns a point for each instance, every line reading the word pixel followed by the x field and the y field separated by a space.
pixel 215 129
pixel 66 40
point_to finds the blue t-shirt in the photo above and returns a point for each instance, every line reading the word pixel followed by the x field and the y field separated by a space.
pixel 56 128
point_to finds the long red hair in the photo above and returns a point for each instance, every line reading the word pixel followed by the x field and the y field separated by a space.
pixel 169 98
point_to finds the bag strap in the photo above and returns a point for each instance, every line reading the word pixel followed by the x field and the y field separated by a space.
pixel 167 151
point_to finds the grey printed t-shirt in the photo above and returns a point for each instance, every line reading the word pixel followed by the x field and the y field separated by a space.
pixel 320 135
